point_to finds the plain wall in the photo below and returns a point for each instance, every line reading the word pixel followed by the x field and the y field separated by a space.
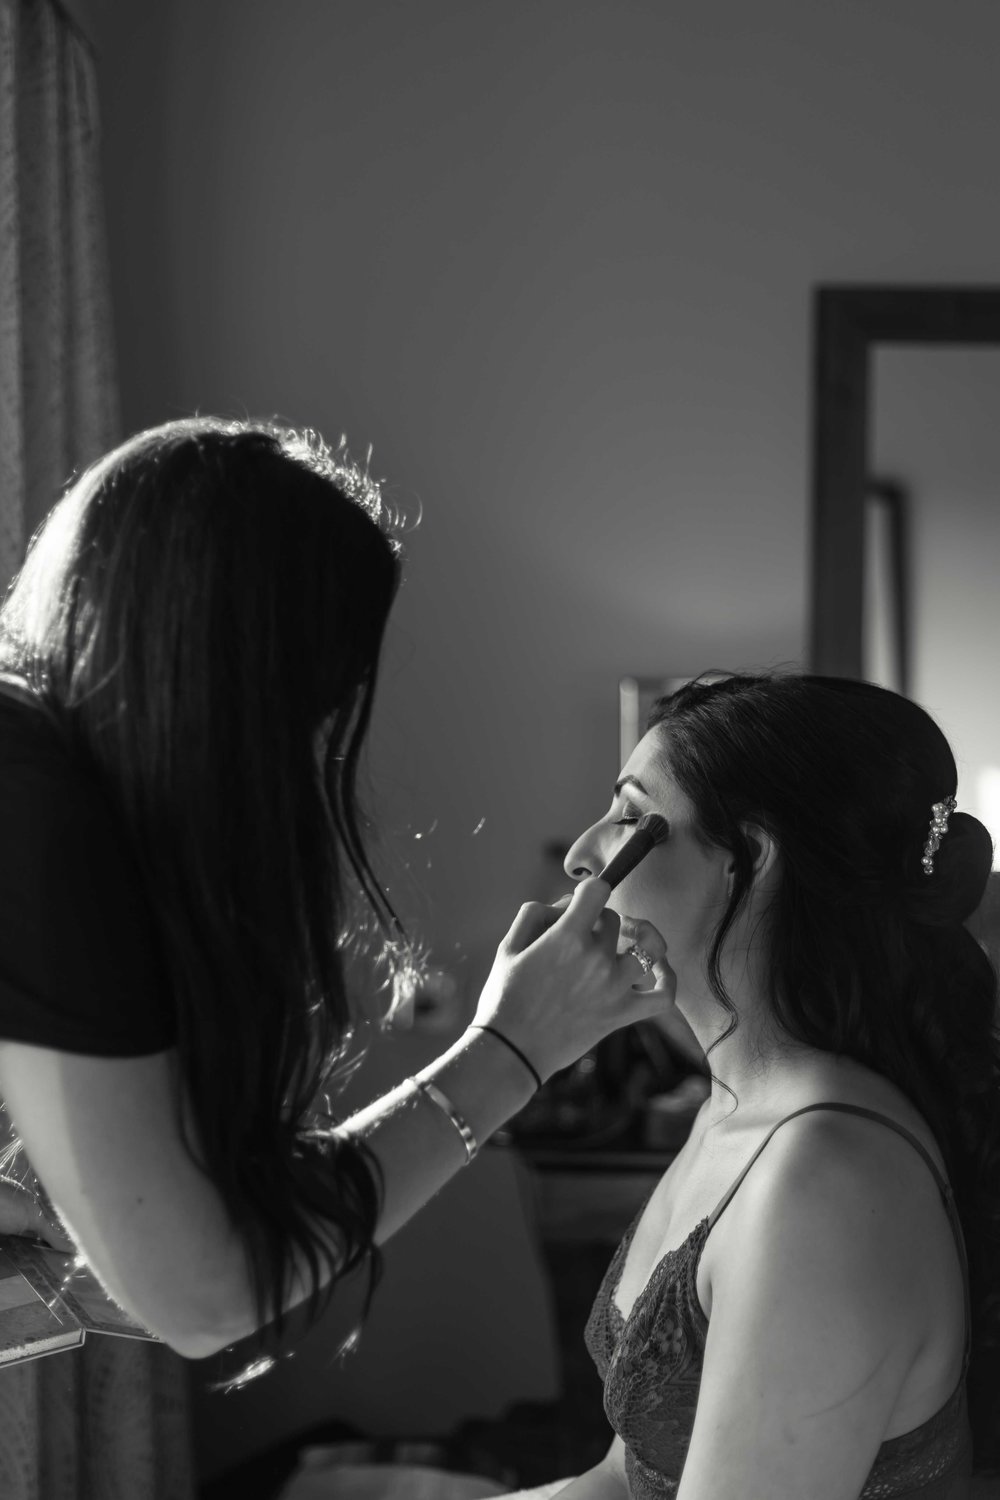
pixel 555 262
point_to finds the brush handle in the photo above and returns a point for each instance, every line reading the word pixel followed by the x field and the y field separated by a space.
pixel 629 855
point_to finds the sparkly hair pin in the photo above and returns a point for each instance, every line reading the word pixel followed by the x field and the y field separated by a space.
pixel 940 813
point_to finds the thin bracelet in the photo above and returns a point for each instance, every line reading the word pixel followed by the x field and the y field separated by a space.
pixel 444 1104
pixel 478 1026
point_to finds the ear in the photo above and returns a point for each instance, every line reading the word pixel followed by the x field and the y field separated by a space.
pixel 763 848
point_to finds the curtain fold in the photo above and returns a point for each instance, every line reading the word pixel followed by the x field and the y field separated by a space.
pixel 111 1420
pixel 58 396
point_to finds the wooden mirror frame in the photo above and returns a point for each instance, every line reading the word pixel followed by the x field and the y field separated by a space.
pixel 849 322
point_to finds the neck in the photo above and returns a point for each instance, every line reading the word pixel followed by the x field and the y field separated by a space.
pixel 759 1066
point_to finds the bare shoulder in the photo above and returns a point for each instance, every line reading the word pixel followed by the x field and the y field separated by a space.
pixel 822 1341
pixel 835 1165
pixel 841 1139
pixel 839 1200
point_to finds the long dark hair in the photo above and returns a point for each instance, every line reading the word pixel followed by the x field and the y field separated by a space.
pixel 868 956
pixel 203 611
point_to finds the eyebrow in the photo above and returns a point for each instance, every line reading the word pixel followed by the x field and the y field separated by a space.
pixel 630 781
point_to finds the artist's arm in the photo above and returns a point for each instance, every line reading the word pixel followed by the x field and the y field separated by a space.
pixel 103 1134
pixel 104 1137
pixel 526 998
pixel 814 1322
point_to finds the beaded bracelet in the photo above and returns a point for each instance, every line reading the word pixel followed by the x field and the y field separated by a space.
pixel 444 1104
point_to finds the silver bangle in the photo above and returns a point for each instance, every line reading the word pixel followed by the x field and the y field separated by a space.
pixel 444 1104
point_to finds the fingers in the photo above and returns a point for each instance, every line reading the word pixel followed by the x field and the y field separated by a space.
pixel 643 974
pixel 653 991
pixel 585 914
pixel 587 903
pixel 637 932
pixel 645 979
pixel 582 912
pixel 561 980
pixel 643 1005
pixel 642 948
pixel 532 920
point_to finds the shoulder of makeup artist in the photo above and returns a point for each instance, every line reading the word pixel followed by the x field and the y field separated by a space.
pixel 187 665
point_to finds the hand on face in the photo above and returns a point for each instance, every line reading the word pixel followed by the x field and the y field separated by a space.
pixel 562 980
pixel 635 932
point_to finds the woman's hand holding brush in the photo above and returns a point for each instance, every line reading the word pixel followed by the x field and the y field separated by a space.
pixel 559 984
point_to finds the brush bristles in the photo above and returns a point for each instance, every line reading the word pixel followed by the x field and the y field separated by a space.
pixel 655 825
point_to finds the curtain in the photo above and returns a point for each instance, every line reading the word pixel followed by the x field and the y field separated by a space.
pixel 110 1419
pixel 58 402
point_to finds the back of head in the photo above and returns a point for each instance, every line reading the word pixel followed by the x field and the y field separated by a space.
pixel 845 774
pixel 209 568
pixel 203 611
pixel 867 954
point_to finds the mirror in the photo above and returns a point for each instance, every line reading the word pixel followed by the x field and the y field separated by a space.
pixel 936 429
pixel 906 507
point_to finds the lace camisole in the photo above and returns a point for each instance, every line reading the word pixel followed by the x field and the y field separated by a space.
pixel 651 1365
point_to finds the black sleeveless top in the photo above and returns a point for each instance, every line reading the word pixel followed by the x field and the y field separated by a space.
pixel 651 1365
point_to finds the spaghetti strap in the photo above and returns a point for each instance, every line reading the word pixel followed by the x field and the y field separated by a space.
pixel 944 1187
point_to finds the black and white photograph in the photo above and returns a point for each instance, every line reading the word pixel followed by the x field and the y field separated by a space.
pixel 499 750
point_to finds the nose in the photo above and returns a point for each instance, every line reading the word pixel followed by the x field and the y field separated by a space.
pixel 583 858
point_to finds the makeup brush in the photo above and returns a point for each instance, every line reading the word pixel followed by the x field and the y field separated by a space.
pixel 651 829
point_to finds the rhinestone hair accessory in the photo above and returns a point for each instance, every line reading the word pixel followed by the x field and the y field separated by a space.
pixel 940 813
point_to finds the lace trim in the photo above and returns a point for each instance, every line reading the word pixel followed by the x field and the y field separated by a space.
pixel 651 1363
pixel 665 1263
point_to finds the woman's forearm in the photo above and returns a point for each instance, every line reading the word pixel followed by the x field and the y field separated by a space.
pixel 418 1149
pixel 171 1256
pixel 417 1146
pixel 104 1134
pixel 557 986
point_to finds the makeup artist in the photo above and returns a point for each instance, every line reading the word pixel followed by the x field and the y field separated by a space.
pixel 189 657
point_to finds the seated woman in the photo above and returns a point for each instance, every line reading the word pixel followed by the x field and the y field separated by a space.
pixel 790 1314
